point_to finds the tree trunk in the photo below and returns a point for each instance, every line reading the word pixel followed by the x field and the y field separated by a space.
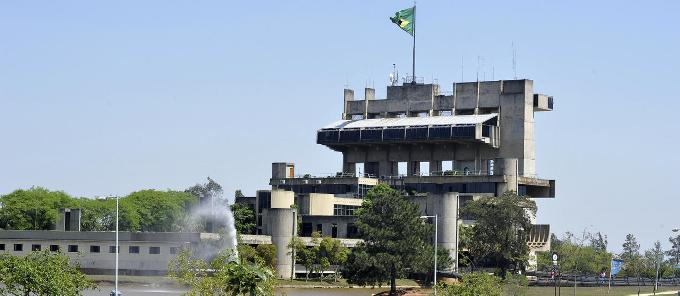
pixel 393 281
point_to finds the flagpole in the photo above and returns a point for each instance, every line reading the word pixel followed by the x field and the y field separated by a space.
pixel 414 43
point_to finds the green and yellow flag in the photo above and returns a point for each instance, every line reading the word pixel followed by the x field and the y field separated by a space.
pixel 405 19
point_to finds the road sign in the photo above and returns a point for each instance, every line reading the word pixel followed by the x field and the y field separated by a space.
pixel 554 258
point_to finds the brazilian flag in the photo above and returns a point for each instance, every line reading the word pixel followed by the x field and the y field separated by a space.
pixel 405 19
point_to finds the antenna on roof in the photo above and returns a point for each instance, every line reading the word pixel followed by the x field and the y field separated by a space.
pixel 514 60
pixel 462 76
pixel 394 76
pixel 477 68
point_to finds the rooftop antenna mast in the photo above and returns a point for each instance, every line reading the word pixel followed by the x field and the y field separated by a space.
pixel 462 68
pixel 514 60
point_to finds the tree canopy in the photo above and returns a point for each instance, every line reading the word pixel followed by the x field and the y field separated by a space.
pixel 226 277
pixel 32 209
pixel 146 210
pixel 586 254
pixel 41 273
pixel 500 231
pixel 394 235
pixel 244 218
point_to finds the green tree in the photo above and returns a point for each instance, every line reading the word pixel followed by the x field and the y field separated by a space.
pixel 575 256
pixel 32 209
pixel 227 277
pixel 238 193
pixel 394 237
pixel 674 253
pixel 334 254
pixel 307 256
pixel 96 214
pixel 268 254
pixel 633 263
pixel 653 260
pixel 500 232
pixel 262 254
pixel 244 218
pixel 206 193
pixel 160 211
pixel 473 284
pixel 598 242
pixel 41 273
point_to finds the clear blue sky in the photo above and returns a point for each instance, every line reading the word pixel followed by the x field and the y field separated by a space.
pixel 108 98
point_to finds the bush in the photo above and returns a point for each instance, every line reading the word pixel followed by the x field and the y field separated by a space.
pixel 516 284
pixel 473 284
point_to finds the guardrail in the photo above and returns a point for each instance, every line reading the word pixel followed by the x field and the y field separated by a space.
pixel 544 279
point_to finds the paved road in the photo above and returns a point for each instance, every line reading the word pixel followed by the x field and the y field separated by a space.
pixel 140 290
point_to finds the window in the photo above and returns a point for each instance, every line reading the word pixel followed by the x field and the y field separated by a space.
pixel 54 248
pixel 344 210
pixel 2 247
pixel 18 247
pixel 133 249
pixel 319 228
pixel 73 248
pixel 264 201
pixel 154 250
pixel 35 247
pixel 306 229
pixel 174 250
pixel 334 231
pixel 94 249
pixel 112 249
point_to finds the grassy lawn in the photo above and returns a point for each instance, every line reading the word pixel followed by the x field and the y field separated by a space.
pixel 594 291
pixel 339 283
pixel 127 279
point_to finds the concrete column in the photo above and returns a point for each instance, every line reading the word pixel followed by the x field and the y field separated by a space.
pixel 61 220
pixel 388 168
pixel 448 224
pixel 284 226
pixel 508 168
pixel 435 166
pixel 372 168
pixel 348 166
pixel 413 168
pixel 348 96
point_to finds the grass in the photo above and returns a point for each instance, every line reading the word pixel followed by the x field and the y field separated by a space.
pixel 128 279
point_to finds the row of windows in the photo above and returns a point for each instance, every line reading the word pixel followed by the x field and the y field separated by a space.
pixel 344 210
pixel 93 249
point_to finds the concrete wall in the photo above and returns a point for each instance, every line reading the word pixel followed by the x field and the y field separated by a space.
pixel 321 204
pixel 103 262
pixel 513 99
pixel 283 227
pixel 282 199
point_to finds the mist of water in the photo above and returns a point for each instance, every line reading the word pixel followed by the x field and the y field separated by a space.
pixel 215 216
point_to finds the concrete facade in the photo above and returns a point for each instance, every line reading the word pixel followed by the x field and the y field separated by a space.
pixel 140 253
pixel 441 149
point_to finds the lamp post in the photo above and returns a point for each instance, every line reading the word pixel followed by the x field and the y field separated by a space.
pixel 115 292
pixel 435 250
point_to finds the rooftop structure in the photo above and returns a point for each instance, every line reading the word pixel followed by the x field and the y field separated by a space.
pixel 442 149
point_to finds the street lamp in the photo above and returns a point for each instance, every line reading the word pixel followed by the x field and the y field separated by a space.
pixel 116 292
pixel 435 250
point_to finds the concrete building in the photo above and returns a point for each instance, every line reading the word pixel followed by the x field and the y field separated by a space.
pixel 141 253
pixel 442 149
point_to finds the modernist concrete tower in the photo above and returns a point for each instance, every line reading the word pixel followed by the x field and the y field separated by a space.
pixel 442 149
